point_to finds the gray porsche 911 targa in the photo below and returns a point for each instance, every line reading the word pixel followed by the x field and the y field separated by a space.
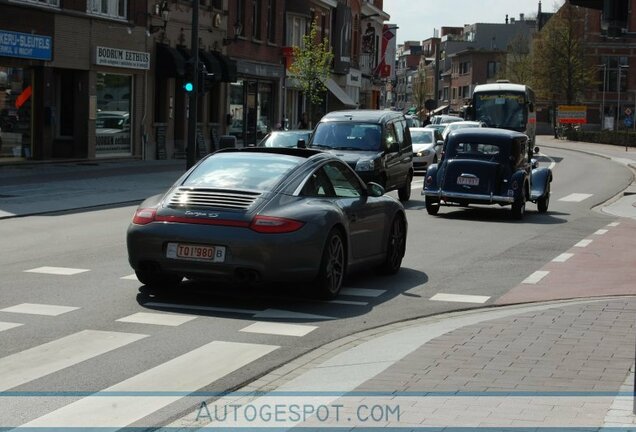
pixel 267 214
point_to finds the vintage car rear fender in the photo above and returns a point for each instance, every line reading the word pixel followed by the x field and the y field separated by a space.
pixel 432 172
pixel 540 179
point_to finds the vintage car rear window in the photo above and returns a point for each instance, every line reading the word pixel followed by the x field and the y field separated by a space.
pixel 251 171
pixel 472 150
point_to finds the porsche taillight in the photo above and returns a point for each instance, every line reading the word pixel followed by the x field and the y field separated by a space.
pixel 144 216
pixel 274 225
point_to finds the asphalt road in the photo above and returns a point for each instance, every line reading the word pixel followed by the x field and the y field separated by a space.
pixel 478 252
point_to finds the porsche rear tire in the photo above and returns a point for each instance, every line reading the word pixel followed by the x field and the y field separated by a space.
pixel 332 267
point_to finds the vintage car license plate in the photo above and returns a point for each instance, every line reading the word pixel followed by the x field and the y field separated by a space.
pixel 470 181
pixel 195 252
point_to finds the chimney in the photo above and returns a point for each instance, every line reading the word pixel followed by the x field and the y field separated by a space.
pixel 506 18
pixel 521 17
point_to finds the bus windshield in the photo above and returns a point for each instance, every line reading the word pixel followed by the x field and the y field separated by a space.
pixel 507 110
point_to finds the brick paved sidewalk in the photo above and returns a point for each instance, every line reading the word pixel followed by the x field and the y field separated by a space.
pixel 552 365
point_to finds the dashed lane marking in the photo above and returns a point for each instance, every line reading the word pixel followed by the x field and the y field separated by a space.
pixel 8 325
pixel 575 197
pixel 583 243
pixel 157 319
pixel 362 292
pixel 535 277
pixel 613 224
pixel 267 313
pixel 281 329
pixel 459 298
pixel 39 309
pixel 42 360
pixel 63 271
pixel 600 232
pixel 563 257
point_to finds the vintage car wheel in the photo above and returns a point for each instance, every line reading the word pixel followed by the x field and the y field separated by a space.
pixel 404 193
pixel 332 267
pixel 158 280
pixel 519 207
pixel 432 205
pixel 544 201
pixel 395 247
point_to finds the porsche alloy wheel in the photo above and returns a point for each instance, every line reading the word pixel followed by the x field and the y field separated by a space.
pixel 395 247
pixel 332 267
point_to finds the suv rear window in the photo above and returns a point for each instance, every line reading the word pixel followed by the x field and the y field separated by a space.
pixel 347 136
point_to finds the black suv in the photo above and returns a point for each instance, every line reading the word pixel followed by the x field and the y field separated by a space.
pixel 377 144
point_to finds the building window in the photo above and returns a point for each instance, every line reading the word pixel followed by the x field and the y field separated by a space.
pixel 296 29
pixel 256 19
pixel 271 21
pixel 16 104
pixel 217 4
pixel 613 65
pixel 240 15
pixel 492 69
pixel 113 123
pixel 109 8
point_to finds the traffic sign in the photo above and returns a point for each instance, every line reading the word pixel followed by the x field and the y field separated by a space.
pixel 628 120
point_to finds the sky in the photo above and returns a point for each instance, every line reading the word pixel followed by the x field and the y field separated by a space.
pixel 416 19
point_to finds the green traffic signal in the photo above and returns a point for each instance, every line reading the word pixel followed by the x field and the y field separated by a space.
pixel 188 87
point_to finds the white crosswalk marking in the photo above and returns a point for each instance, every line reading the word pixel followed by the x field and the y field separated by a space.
pixel 613 224
pixel 39 361
pixel 575 197
pixel 601 232
pixel 39 309
pixel 8 325
pixel 157 319
pixel 183 374
pixel 535 277
pixel 459 298
pixel 64 271
pixel 282 329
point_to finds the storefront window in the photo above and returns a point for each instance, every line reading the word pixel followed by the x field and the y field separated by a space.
pixel 265 110
pixel 237 120
pixel 113 122
pixel 15 113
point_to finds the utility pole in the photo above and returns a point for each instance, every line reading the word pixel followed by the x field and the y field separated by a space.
pixel 193 97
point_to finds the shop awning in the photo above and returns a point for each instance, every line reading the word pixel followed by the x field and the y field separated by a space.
pixel 338 92
pixel 170 62
pixel 228 66
pixel 211 64
pixel 439 109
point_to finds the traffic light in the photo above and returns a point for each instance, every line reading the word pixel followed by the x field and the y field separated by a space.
pixel 188 81
pixel 206 79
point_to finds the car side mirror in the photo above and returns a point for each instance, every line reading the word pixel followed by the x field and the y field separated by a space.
pixel 301 143
pixel 536 150
pixel 439 143
pixel 535 163
pixel 374 189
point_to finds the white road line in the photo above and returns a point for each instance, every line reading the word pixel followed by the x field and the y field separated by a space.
pixel 64 271
pixel 347 302
pixel 575 197
pixel 552 161
pixel 600 232
pixel 613 224
pixel 535 277
pixel 132 277
pixel 8 325
pixel 362 292
pixel 459 298
pixel 187 373
pixel 285 314
pixel 42 360
pixel 39 309
pixel 563 257
pixel 583 243
pixel 281 329
pixel 267 313
pixel 157 319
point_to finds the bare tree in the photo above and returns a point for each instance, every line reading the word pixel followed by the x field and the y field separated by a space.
pixel 420 90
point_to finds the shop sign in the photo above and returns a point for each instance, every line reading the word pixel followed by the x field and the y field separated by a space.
pixel 117 57
pixel 26 45
pixel 354 78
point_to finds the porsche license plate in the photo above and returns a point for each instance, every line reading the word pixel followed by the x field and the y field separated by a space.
pixel 195 252
pixel 470 181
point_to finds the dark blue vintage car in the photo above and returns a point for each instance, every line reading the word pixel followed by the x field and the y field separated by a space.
pixel 487 166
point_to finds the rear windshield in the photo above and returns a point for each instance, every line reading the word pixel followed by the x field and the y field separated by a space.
pixel 421 137
pixel 475 150
pixel 251 171
pixel 347 136
pixel 284 139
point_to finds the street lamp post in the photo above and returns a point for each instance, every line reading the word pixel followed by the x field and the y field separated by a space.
pixel 193 101
pixel 604 66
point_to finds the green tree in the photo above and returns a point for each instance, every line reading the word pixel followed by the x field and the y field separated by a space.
pixel 559 62
pixel 420 90
pixel 517 68
pixel 311 67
